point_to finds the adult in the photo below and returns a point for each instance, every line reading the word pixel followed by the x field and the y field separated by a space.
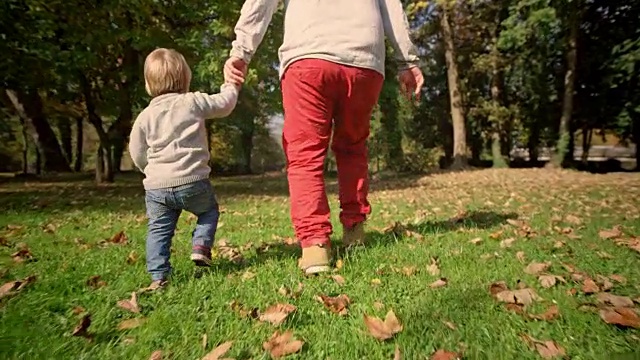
pixel 331 70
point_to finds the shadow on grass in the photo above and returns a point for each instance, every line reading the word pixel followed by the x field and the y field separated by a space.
pixel 277 251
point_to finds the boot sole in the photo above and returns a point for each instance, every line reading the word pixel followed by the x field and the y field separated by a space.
pixel 317 269
pixel 200 260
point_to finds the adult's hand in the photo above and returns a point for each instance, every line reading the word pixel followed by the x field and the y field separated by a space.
pixel 411 81
pixel 235 70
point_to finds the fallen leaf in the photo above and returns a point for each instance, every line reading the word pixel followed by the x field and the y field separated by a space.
pixel 4 242
pixel 547 349
pixel 156 355
pixel 620 316
pixel 507 243
pixel 218 352
pixel 535 268
pixel 558 244
pixel 248 275
pixel 604 283
pixel 516 308
pixel 339 264
pixel 280 345
pixel 450 325
pixel 547 281
pixel 573 219
pixel 614 300
pixel 119 238
pixel 521 296
pixel 130 304
pixel 498 287
pixel 383 330
pixel 433 268
pixel 376 281
pixel 409 270
pixel 476 241
pixel 397 355
pixel 22 255
pixel 338 279
pixel 95 282
pixel 552 313
pixel 78 310
pixel 438 283
pixel 571 292
pixel 276 314
pixel 604 255
pixel 590 287
pixel 337 304
pixel 618 278
pixel 378 305
pixel 516 223
pixel 131 323
pixel 290 293
pixel 444 355
pixel 496 234
pixel 612 233
pixel 237 307
pixel 520 256
pixel 12 287
pixel 132 258
pixel 82 327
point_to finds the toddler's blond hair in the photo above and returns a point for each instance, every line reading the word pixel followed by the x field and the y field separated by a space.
pixel 166 71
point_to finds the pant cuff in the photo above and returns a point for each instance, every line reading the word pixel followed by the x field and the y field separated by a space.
pixel 308 242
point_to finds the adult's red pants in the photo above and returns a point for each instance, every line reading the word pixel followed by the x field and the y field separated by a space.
pixel 320 96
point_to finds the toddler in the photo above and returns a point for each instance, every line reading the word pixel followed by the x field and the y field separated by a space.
pixel 169 145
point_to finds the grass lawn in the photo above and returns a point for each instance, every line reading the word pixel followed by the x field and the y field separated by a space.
pixel 472 229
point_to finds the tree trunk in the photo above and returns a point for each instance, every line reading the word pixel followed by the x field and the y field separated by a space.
pixel 497 92
pixel 104 169
pixel 77 167
pixel 119 131
pixel 562 156
pixel 25 147
pixel 246 141
pixel 635 131
pixel 64 128
pixel 38 162
pixel 392 147
pixel 586 144
pixel 29 107
pixel 533 143
pixel 457 113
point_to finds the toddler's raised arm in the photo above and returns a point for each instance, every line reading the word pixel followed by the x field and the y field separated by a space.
pixel 217 105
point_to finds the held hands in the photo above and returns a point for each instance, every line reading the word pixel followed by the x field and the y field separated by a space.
pixel 235 70
pixel 411 81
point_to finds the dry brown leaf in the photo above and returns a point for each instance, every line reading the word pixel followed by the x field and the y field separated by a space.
pixel 604 283
pixel 618 278
pixel 573 219
pixel 131 323
pixel 558 244
pixel 612 233
pixel 450 325
pixel 238 308
pixel 337 304
pixel 520 256
pixel 294 294
pixel 119 238
pixel 132 258
pixel 552 313
pixel 433 268
pixel 547 349
pixel 590 287
pixel 4 242
pixel 516 223
pixel 547 281
pixel 12 287
pixel 383 330
pixel 444 355
pixel 409 270
pixel 339 264
pixel 130 304
pixel 498 287
pixel 507 243
pixel 496 234
pixel 156 355
pixel 621 316
pixel 280 345
pixel 438 283
pixel 604 255
pixel 77 310
pixel 535 268
pixel 248 275
pixel 516 308
pixel 338 279
pixel 276 314
pixel 520 296
pixel 614 300
pixel 218 352
pixel 476 241
pixel 22 255
pixel 397 355
pixel 82 327
pixel 95 282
